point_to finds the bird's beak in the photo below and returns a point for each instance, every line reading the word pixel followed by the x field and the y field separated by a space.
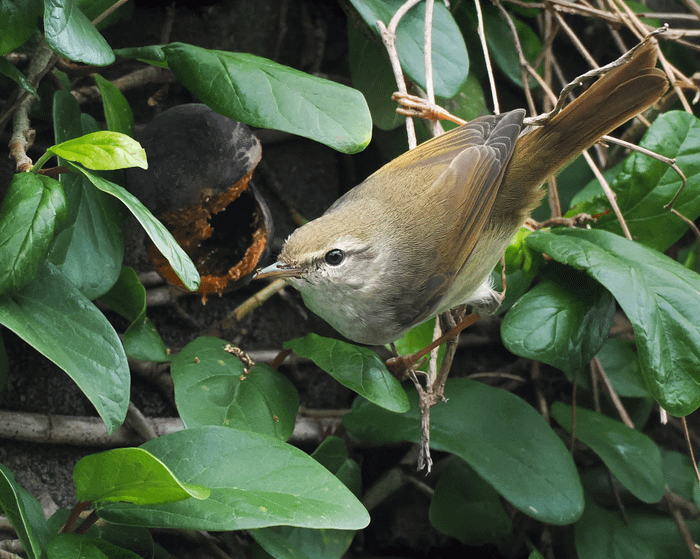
pixel 278 270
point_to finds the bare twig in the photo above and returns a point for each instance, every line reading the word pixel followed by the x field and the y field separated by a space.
pixel 612 197
pixel 487 58
pixel 614 398
pixel 118 4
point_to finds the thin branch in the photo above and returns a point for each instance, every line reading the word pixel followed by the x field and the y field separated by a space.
pixel 487 58
pixel 614 398
pixel 108 11
pixel 612 197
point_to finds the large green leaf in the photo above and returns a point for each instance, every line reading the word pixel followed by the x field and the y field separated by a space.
pixel 18 20
pixel 563 322
pixel 25 514
pixel 465 507
pixel 504 439
pixel 255 481
pixel 33 208
pixel 213 387
pixel 290 542
pixel 631 456
pixel 450 58
pixel 56 319
pixel 102 150
pixel 661 534
pixel 69 33
pixel 263 93
pixel 161 237
pixel 90 249
pixel 130 475
pixel 600 533
pixel 619 360
pixel 644 185
pixel 660 297
pixel 358 368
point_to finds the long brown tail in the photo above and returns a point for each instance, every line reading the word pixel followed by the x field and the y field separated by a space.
pixel 613 99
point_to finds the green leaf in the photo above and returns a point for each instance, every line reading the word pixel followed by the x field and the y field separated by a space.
pixel 371 73
pixel 661 534
pixel 33 208
pixel 18 20
pixel 468 103
pixel 632 457
pixel 504 439
pixel 563 323
pixel 212 387
pixel 465 507
pixel 90 248
pixel 152 54
pixel 450 58
pixel 620 363
pixel 358 368
pixel 290 542
pixel 69 33
pixel 644 185
pixel 24 513
pixel 12 72
pixel 74 546
pixel 660 297
pixel 263 93
pixel 255 481
pixel 600 533
pixel 141 339
pixel 131 475
pixel 103 150
pixel 161 237
pixel 679 474
pixel 118 113
pixel 54 317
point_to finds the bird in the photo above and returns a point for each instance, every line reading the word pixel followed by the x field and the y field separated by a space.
pixel 423 233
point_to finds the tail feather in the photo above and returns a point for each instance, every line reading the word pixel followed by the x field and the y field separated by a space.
pixel 612 100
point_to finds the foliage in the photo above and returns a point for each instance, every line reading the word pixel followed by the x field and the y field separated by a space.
pixel 231 468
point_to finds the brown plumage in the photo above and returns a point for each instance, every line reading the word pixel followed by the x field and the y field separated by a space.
pixel 423 233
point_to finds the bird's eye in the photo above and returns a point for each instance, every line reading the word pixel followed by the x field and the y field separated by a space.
pixel 334 257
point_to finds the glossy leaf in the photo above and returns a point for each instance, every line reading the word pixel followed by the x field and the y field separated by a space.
pixel 679 474
pixel 128 298
pixel 644 185
pixel 103 150
pixel 416 339
pixel 90 248
pixel 450 58
pixel 33 209
pixel 130 475
pixel 291 542
pixel 212 387
pixel 660 297
pixel 118 113
pixel 78 546
pixel 58 321
pixel 70 34
pixel 358 368
pixel 18 19
pixel 263 93
pixel 504 439
pixel 619 360
pixel 632 457
pixel 600 533
pixel 12 72
pixel 255 481
pixel 465 507
pixel 161 237
pixel 563 323
pixel 24 513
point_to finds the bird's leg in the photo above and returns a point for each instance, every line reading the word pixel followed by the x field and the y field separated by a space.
pixel 401 364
